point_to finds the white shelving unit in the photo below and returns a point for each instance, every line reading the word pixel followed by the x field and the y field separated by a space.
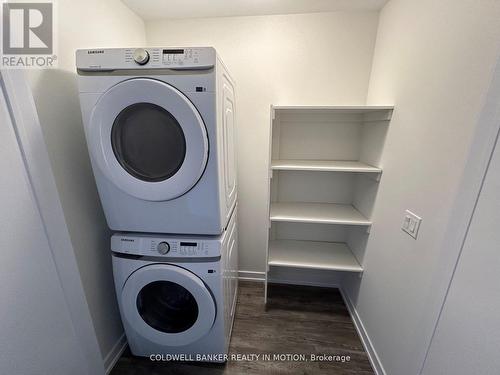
pixel 322 186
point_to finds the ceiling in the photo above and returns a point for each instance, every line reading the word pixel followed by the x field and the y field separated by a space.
pixel 158 9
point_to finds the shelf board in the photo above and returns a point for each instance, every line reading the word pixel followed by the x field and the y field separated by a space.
pixel 323 165
pixel 334 256
pixel 332 114
pixel 352 109
pixel 321 213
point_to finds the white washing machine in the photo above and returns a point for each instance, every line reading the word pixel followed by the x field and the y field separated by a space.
pixel 159 124
pixel 177 295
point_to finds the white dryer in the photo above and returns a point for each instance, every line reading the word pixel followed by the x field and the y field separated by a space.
pixel 159 124
pixel 177 295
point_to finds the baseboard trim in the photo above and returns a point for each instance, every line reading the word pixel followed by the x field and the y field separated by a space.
pixel 251 275
pixel 365 339
pixel 115 353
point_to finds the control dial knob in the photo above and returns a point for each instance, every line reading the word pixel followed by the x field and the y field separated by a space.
pixel 163 248
pixel 141 56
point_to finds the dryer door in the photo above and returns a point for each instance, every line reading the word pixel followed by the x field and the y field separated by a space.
pixel 148 139
pixel 168 305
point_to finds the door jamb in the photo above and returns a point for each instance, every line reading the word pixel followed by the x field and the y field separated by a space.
pixel 31 142
pixel 476 167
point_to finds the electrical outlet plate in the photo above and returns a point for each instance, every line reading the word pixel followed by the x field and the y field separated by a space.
pixel 411 223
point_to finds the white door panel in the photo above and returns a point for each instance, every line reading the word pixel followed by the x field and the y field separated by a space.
pixel 467 336
pixel 37 335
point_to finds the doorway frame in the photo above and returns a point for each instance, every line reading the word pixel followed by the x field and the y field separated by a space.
pixel 479 155
pixel 26 124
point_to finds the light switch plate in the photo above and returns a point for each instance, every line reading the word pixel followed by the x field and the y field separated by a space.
pixel 411 223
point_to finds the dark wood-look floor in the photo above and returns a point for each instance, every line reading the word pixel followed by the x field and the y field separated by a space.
pixel 298 320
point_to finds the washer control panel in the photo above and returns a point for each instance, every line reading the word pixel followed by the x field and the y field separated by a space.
pixel 175 58
pixel 171 247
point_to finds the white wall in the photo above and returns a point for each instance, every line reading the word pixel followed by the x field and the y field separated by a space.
pixel 467 337
pixel 434 61
pixel 83 24
pixel 291 59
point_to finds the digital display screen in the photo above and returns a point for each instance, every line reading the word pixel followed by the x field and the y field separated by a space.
pixel 193 244
pixel 173 51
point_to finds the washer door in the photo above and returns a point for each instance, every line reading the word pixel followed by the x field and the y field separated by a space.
pixel 168 305
pixel 148 139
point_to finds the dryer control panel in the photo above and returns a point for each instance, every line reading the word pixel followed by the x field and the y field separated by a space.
pixel 175 58
pixel 169 247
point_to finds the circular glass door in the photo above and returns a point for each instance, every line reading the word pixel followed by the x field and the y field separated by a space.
pixel 148 142
pixel 168 305
pixel 148 139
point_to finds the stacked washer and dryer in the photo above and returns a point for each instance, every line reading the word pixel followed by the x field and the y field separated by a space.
pixel 159 124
